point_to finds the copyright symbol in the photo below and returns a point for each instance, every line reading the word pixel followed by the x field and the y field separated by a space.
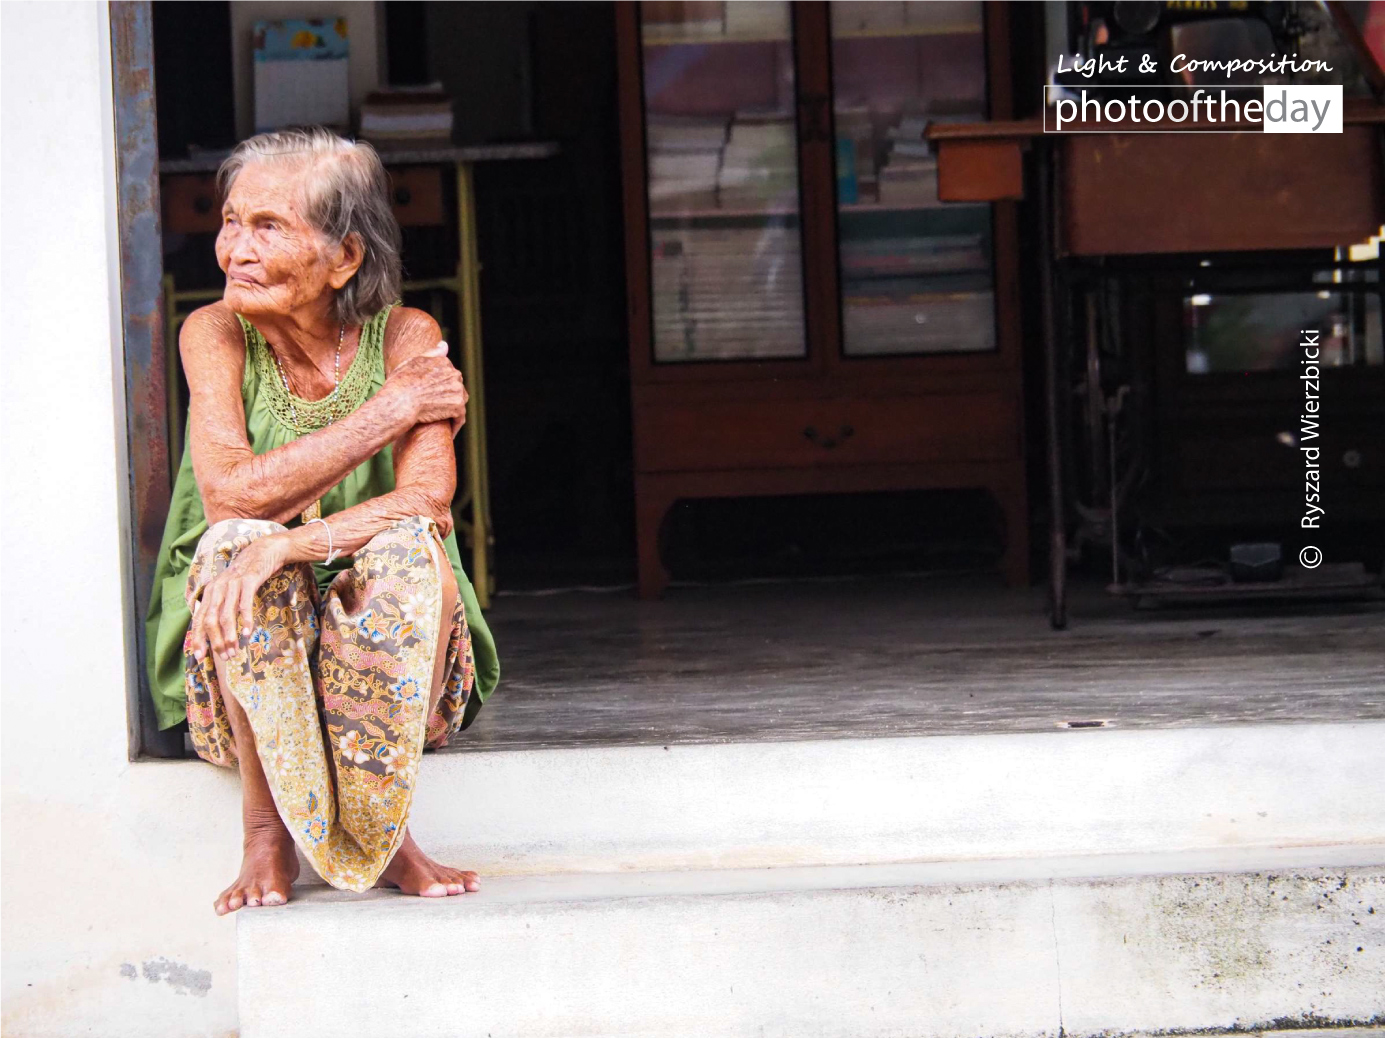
pixel 1310 557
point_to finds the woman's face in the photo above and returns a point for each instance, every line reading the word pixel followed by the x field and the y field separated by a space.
pixel 275 262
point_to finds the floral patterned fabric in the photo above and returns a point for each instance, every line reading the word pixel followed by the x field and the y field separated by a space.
pixel 337 690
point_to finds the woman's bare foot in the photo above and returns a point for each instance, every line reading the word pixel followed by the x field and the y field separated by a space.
pixel 414 872
pixel 267 871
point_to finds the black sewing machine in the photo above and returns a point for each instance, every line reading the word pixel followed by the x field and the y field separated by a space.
pixel 1145 33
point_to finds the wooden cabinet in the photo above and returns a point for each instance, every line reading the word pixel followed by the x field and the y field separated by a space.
pixel 805 315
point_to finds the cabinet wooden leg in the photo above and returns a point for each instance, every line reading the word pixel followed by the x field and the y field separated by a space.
pixel 650 509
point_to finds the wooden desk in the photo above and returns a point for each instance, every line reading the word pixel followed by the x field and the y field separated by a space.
pixel 1122 193
pixel 413 203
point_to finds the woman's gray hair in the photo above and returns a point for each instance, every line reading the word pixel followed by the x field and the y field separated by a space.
pixel 345 192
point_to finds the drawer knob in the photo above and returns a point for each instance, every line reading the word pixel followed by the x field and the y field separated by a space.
pixel 827 442
pixel 202 204
pixel 402 195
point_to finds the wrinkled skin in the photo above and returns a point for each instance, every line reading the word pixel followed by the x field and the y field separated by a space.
pixel 283 275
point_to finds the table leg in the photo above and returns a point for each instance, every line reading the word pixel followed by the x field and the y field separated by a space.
pixel 175 414
pixel 1057 537
pixel 474 431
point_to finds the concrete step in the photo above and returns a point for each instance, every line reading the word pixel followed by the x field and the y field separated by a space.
pixel 1202 941
pixel 854 801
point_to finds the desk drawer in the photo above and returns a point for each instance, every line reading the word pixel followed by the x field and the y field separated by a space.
pixel 190 203
pixel 844 431
pixel 416 195
pixel 1131 193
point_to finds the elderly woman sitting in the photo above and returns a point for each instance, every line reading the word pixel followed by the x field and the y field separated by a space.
pixel 321 631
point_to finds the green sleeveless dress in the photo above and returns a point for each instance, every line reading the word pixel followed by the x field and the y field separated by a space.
pixel 270 423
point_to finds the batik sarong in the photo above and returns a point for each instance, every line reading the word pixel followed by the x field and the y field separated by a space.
pixel 336 688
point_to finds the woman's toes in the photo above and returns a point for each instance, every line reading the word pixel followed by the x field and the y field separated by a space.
pixel 434 890
pixel 455 880
pixel 234 902
pixel 274 898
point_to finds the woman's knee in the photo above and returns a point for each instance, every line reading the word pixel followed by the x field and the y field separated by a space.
pixel 231 535
pixel 414 529
pixel 220 544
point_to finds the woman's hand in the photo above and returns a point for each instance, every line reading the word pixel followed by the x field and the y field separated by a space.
pixel 228 599
pixel 429 388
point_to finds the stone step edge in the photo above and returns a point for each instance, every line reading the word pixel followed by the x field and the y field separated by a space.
pixel 841 802
pixel 595 886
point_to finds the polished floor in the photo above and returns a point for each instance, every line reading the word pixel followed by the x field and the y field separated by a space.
pixel 908 655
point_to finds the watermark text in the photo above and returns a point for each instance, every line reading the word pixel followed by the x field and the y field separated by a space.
pixel 1310 557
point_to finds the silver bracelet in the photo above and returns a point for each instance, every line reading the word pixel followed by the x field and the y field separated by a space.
pixel 331 555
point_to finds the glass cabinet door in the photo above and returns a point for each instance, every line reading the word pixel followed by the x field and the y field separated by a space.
pixel 726 264
pixel 916 274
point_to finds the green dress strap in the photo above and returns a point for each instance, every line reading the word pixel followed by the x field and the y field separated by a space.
pixel 365 373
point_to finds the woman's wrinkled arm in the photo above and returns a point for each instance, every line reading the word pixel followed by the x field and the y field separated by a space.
pixel 425 471
pixel 425 478
pixel 233 480
pixel 425 468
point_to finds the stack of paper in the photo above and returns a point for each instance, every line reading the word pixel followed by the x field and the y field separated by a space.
pixel 727 292
pixel 935 322
pixel 908 290
pixel 909 176
pixel 684 156
pixel 953 16
pixel 407 116
pixel 909 130
pixel 759 166
pixel 765 19
pixel 908 255
pixel 864 16
pixel 686 132
pixel 856 173
pixel 683 19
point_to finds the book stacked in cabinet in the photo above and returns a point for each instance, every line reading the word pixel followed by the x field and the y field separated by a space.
pixel 805 315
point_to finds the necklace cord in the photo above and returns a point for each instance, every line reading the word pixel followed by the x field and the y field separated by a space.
pixel 358 377
pixel 313 513
pixel 336 377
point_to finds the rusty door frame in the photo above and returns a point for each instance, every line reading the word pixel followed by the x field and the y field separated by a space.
pixel 142 325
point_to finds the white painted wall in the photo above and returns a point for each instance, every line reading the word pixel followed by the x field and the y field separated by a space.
pixel 91 886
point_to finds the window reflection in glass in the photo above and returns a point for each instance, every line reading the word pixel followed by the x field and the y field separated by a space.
pixel 915 273
pixel 1263 331
pixel 725 246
